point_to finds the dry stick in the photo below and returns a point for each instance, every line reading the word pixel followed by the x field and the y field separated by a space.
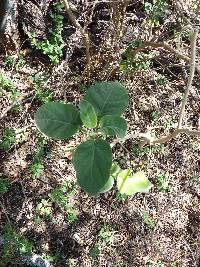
pixel 189 84
pixel 17 102
pixel 166 47
pixel 191 76
pixel 84 34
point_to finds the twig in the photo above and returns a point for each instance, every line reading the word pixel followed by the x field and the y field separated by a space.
pixel 84 34
pixel 191 76
pixel 18 102
pixel 166 47
pixel 129 136
pixel 167 138
pixel 189 84
pixel 5 212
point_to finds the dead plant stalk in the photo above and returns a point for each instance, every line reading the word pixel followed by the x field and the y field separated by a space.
pixel 83 32
pixel 184 101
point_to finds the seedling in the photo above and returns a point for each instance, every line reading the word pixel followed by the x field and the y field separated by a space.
pixel 148 221
pixel 36 166
pixel 100 115
pixel 43 209
pixel 155 11
pixel 106 237
pixel 4 185
pixel 14 245
pixel 161 80
pixel 8 139
pixel 163 183
pixel 41 94
pixel 8 85
pixel 15 62
pixel 62 197
pixel 154 116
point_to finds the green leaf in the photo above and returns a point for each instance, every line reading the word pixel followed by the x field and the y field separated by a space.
pixel 131 185
pixel 113 125
pixel 92 161
pixel 58 121
pixel 88 114
pixel 107 98
pixel 108 185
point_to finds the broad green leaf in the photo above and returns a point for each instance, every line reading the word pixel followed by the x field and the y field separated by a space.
pixel 92 161
pixel 108 185
pixel 113 125
pixel 88 114
pixel 58 121
pixel 130 185
pixel 107 98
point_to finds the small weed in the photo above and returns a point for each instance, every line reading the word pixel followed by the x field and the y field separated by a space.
pixel 142 151
pixel 15 62
pixel 14 245
pixel 4 185
pixel 162 182
pixel 196 179
pixel 94 251
pixel 161 80
pixel 52 47
pixel 43 209
pixel 148 221
pixel 61 196
pixel 8 139
pixel 155 11
pixel 8 85
pixel 139 61
pixel 37 220
pixel 41 94
pixel 106 237
pixel 154 116
pixel 167 124
pixel 37 167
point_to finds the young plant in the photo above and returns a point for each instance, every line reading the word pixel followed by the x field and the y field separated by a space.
pixel 148 221
pixel 9 137
pixel 155 11
pixel 36 166
pixel 62 197
pixel 4 185
pixel 41 94
pixel 8 86
pixel 100 113
pixel 163 183
pixel 14 246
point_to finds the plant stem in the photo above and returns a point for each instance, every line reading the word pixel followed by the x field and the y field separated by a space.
pixel 191 75
pixel 84 34
pixel 166 47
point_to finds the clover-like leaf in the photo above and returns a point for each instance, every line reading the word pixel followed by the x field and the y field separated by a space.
pixel 107 98
pixel 92 161
pixel 57 120
pixel 113 125
pixel 88 114
pixel 130 185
